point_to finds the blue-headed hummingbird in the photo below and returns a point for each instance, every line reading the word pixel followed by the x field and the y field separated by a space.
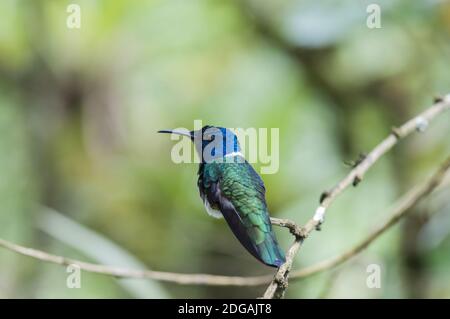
pixel 231 188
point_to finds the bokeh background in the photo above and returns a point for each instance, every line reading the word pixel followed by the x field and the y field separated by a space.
pixel 83 173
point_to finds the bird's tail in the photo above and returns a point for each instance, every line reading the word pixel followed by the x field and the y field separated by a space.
pixel 270 252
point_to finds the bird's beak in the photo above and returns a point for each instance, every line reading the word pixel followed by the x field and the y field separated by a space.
pixel 184 133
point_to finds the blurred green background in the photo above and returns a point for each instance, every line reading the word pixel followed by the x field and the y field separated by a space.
pixel 84 174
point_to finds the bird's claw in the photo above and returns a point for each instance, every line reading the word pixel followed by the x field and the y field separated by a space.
pixel 298 232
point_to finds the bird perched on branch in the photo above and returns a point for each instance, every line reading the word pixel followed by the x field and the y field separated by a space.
pixel 230 187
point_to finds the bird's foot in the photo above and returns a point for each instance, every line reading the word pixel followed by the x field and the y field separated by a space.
pixel 298 232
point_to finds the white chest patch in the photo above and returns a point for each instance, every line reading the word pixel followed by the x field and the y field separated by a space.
pixel 211 211
pixel 233 154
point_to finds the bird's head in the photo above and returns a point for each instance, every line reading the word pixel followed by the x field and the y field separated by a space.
pixel 211 142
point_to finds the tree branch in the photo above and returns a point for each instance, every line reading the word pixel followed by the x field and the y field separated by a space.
pixel 400 210
pixel 278 283
pixel 419 123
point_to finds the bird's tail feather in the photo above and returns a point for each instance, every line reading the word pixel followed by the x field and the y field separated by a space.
pixel 270 252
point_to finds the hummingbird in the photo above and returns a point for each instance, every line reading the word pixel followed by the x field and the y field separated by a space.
pixel 230 188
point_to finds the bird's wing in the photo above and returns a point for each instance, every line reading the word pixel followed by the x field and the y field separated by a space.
pixel 238 192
